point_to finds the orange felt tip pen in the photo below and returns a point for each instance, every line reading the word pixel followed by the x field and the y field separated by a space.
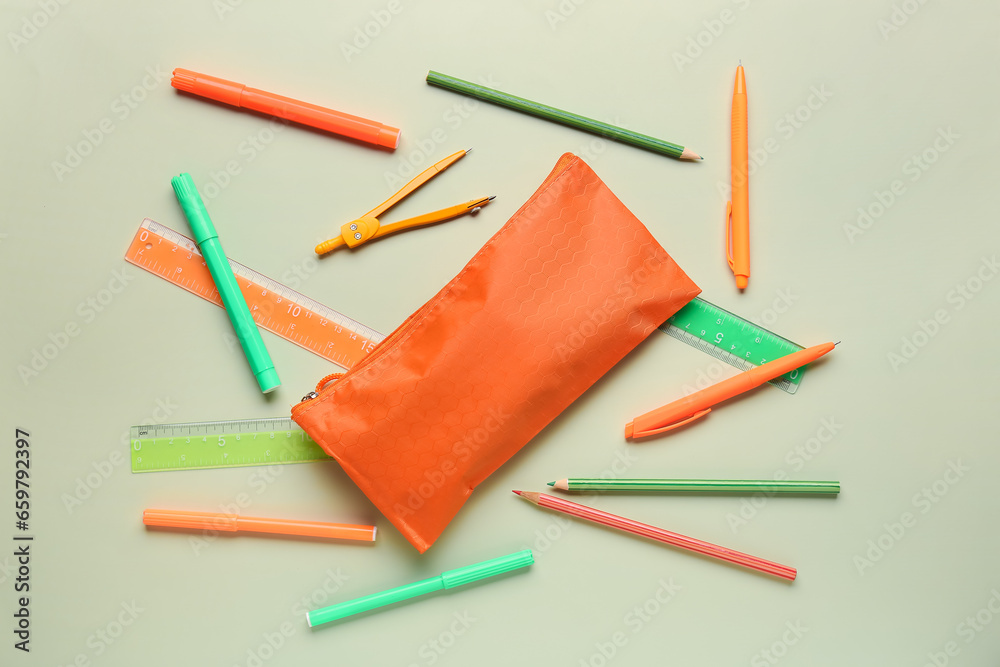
pixel 738 208
pixel 686 410
pixel 239 95
pixel 249 524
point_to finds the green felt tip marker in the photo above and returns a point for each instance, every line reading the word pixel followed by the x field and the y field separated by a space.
pixel 449 579
pixel 222 274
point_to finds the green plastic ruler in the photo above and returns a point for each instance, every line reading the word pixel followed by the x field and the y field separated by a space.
pixel 255 442
pixel 221 444
pixel 732 339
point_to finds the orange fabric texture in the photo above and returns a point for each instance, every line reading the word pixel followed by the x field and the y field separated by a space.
pixel 557 297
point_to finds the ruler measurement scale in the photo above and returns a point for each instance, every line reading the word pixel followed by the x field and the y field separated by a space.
pixel 221 444
pixel 732 339
pixel 275 307
pixel 337 338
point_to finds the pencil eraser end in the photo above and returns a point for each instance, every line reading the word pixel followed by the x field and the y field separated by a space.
pixel 741 282
pixel 268 380
pixel 628 431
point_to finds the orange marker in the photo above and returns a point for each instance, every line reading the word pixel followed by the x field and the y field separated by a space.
pixel 686 410
pixel 231 524
pixel 237 94
pixel 738 208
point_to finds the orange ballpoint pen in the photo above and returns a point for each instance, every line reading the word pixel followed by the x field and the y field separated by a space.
pixel 686 410
pixel 738 208
pixel 368 227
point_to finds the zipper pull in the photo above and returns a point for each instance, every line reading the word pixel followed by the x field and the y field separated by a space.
pixel 319 386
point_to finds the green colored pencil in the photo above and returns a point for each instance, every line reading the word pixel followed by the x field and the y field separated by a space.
pixel 699 485
pixel 559 116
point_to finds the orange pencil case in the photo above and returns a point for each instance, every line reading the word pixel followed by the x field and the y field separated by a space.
pixel 566 288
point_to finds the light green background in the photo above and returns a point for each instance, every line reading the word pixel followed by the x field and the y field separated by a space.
pixel 885 81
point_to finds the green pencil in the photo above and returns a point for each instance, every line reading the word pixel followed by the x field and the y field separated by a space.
pixel 699 485
pixel 559 116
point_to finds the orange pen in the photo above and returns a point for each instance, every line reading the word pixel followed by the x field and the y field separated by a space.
pixel 686 410
pixel 738 208
pixel 231 524
pixel 238 95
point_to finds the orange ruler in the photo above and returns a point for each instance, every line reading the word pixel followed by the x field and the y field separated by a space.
pixel 275 307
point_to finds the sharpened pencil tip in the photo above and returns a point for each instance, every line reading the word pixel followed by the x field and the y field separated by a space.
pixel 517 492
pixel 468 150
pixel 552 483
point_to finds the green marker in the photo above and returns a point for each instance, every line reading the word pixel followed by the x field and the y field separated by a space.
pixel 236 306
pixel 449 579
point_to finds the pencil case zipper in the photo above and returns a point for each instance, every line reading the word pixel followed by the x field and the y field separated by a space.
pixel 328 382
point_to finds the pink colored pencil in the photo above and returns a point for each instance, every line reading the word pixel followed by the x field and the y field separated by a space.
pixel 659 534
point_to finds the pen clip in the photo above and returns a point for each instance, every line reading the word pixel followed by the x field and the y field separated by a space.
pixel 729 235
pixel 670 427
